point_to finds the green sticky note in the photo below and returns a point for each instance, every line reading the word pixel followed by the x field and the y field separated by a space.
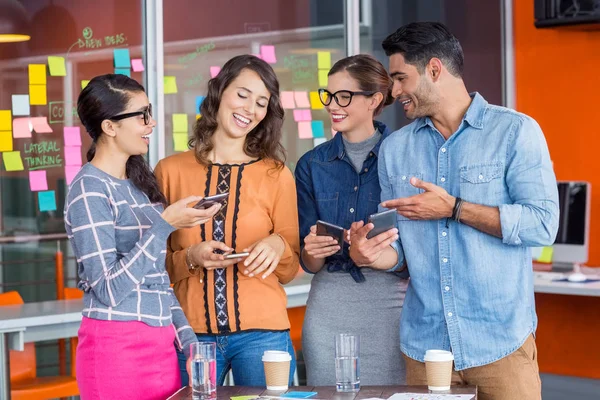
pixel 244 397
pixel 57 66
pixel 170 84
pixel 12 161
pixel 323 77
pixel 180 141
pixel 180 123
pixel 546 256
pixel 324 60
pixel 47 200
pixel 84 83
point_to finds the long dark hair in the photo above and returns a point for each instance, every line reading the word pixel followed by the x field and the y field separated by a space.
pixel 264 141
pixel 104 97
pixel 370 75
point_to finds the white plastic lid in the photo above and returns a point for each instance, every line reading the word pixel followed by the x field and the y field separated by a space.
pixel 276 356
pixel 438 355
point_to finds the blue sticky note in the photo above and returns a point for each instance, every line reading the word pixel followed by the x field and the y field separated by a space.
pixel 47 200
pixel 199 100
pixel 299 395
pixel 318 129
pixel 122 59
pixel 123 71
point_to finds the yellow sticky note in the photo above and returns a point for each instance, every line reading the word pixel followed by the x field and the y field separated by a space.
pixel 5 120
pixel 37 95
pixel 198 116
pixel 37 74
pixel 180 141
pixel 6 141
pixel 324 60
pixel 546 256
pixel 12 161
pixel 57 66
pixel 323 77
pixel 84 83
pixel 180 123
pixel 315 102
pixel 170 84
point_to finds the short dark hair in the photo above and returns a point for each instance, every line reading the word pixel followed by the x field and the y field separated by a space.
pixel 419 42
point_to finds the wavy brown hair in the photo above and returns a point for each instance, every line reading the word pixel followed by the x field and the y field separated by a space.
pixel 264 141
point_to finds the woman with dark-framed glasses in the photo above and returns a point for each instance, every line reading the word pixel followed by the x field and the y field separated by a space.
pixel 118 227
pixel 337 182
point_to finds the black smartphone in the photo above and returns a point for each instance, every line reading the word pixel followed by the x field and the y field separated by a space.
pixel 383 221
pixel 336 232
pixel 210 201
pixel 236 255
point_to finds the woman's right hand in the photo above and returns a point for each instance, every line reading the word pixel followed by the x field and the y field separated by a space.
pixel 180 216
pixel 203 254
pixel 319 246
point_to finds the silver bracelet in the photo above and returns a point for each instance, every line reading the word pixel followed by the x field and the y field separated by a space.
pixel 188 260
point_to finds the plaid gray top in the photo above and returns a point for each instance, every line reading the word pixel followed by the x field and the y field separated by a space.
pixel 119 240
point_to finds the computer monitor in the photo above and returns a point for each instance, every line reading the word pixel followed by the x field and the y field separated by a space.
pixel 573 237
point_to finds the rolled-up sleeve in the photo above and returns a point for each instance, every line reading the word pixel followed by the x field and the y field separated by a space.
pixel 532 217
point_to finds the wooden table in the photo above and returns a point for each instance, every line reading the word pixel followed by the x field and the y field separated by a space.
pixel 225 392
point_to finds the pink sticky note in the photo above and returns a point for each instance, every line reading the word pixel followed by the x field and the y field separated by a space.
pixel 307 115
pixel 287 100
pixel 72 136
pixel 70 172
pixel 38 181
pixel 302 99
pixel 214 71
pixel 268 54
pixel 73 155
pixel 298 115
pixel 22 128
pixel 137 64
pixel 305 130
pixel 40 125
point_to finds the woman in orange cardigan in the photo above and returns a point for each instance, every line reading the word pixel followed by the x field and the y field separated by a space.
pixel 240 304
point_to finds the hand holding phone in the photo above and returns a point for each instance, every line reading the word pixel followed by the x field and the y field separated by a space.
pixel 331 230
pixel 383 222
pixel 209 201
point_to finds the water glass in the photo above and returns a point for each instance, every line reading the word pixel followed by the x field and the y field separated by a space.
pixel 347 367
pixel 204 370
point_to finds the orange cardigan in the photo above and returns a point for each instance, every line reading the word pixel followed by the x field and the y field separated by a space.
pixel 262 201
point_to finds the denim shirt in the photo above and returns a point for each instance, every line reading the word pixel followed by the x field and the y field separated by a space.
pixel 330 189
pixel 470 292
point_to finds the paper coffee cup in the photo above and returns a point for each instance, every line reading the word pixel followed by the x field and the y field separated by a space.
pixel 277 369
pixel 438 366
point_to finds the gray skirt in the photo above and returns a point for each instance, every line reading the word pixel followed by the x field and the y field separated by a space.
pixel 337 304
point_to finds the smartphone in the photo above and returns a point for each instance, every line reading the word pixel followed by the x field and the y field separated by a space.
pixel 237 255
pixel 383 221
pixel 336 232
pixel 210 201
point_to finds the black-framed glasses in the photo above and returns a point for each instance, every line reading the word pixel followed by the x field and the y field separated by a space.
pixel 341 97
pixel 147 113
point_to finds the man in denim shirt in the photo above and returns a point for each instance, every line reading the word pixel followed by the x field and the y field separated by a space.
pixel 474 189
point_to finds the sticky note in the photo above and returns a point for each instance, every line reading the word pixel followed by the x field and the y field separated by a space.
pixel 301 99
pixel 307 115
pixel 302 115
pixel 305 130
pixel 57 66
pixel 214 71
pixel 546 256
pixel 121 58
pixel 73 155
pixel 318 141
pixel 180 123
pixel 6 141
pixel 47 201
pixel 315 101
pixel 323 79
pixel 5 120
pixel 38 181
pixel 84 83
pixel 244 397
pixel 199 100
pixel 137 64
pixel 22 128
pixel 318 129
pixel 37 74
pixel 40 125
pixel 267 53
pixel 180 141
pixel 287 100
pixel 20 104
pixel 70 173
pixel 298 395
pixel 72 136
pixel 123 71
pixel 170 84
pixel 12 161
pixel 324 60
pixel 198 116
pixel 37 95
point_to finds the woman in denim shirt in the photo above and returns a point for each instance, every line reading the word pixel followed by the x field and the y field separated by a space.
pixel 337 182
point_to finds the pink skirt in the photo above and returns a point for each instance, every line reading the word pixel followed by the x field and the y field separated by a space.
pixel 126 360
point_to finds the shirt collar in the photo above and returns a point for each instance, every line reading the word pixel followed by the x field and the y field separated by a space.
pixel 474 115
pixel 336 150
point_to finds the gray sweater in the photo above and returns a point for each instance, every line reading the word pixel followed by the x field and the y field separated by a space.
pixel 119 240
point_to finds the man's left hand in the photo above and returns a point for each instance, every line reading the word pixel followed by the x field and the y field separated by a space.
pixel 435 203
